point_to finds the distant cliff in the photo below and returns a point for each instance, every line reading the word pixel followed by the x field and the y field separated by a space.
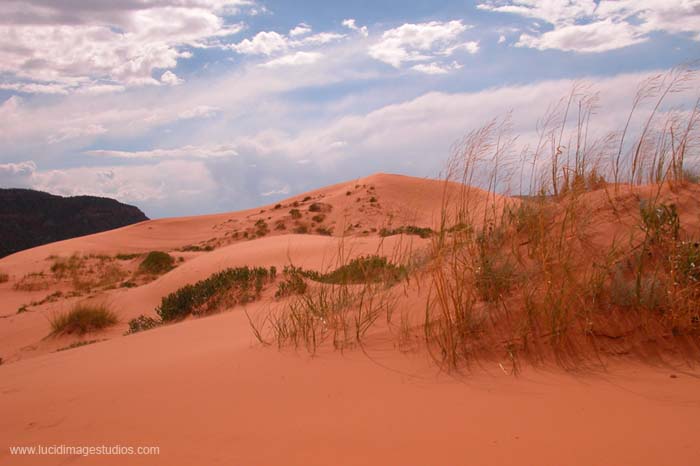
pixel 31 218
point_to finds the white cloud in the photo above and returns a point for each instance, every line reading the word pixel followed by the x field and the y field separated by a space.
pixel 80 44
pixel 600 36
pixel 501 39
pixel 420 42
pixel 436 68
pixel 295 59
pixel 17 175
pixel 270 42
pixel 186 152
pixel 175 181
pixel 170 79
pixel 263 43
pixel 34 88
pixel 589 27
pixel 300 30
pixel 352 25
pixel 74 132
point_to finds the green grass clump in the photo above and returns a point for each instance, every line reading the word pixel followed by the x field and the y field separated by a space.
pixel 142 323
pixel 157 262
pixel 407 230
pixel 82 319
pixel 228 287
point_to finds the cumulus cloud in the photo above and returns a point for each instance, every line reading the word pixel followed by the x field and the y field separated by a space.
pixel 589 27
pixel 270 42
pixel 421 42
pixel 300 30
pixel 17 175
pixel 263 43
pixel 66 45
pixel 170 79
pixel 352 25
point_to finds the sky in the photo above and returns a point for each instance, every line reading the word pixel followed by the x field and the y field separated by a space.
pixel 186 107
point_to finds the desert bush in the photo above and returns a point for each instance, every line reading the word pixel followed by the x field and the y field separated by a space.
pixel 261 228
pixel 142 323
pixel 225 288
pixel 295 213
pixel 422 232
pixel 319 218
pixel 301 229
pixel 4 278
pixel 364 269
pixel 197 248
pixel 320 207
pixel 83 318
pixel 324 231
pixel 292 284
pixel 126 256
pixel 156 263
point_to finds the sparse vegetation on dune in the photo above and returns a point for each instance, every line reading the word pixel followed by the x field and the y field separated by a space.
pixel 225 288
pixel 4 278
pixel 423 232
pixel 83 318
pixel 578 267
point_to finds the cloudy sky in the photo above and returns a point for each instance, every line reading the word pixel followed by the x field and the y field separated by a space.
pixel 198 106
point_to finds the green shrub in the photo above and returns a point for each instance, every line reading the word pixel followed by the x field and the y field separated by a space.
pixel 228 287
pixel 292 284
pixel 125 257
pixel 157 262
pixel 320 207
pixel 407 230
pixel 83 318
pixel 261 228
pixel 142 323
pixel 197 248
pixel 364 269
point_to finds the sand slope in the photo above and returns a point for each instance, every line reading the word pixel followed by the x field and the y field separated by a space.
pixel 206 392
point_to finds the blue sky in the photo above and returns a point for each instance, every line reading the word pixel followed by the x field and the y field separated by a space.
pixel 196 106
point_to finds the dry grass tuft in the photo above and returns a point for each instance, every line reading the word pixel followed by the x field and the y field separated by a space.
pixel 82 319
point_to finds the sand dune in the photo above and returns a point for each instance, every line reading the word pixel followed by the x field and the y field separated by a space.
pixel 206 392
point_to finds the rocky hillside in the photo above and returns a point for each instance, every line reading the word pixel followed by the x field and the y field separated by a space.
pixel 31 218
